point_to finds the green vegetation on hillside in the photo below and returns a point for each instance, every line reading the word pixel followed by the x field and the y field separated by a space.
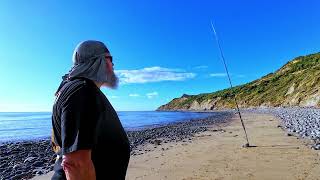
pixel 297 83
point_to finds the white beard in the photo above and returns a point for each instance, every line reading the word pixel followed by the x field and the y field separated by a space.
pixel 112 81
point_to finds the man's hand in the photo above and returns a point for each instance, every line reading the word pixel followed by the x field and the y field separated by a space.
pixel 78 165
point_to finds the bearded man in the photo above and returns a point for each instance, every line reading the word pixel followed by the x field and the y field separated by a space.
pixel 88 137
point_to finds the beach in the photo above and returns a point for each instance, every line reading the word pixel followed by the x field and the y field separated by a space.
pixel 217 153
pixel 26 159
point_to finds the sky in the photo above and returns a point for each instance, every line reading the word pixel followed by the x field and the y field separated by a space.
pixel 161 49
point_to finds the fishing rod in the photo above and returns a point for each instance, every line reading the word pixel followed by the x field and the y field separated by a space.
pixel 226 68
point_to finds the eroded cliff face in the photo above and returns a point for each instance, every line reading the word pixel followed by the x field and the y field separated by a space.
pixel 297 83
pixel 181 104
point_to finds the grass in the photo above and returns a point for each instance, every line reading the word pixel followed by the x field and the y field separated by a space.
pixel 303 73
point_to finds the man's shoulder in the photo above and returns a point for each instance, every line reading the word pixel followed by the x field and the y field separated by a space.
pixel 77 89
pixel 81 84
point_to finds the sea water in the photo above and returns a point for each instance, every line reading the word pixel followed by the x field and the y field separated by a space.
pixel 16 126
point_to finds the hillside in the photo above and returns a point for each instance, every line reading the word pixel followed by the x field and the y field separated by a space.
pixel 297 83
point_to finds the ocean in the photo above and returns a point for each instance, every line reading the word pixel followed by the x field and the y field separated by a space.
pixel 17 126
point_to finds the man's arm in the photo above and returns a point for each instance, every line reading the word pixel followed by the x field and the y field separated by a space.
pixel 78 165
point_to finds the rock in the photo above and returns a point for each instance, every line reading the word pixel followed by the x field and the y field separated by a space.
pixel 316 147
pixel 39 173
pixel 18 172
pixel 16 166
pixel 19 176
pixel 7 177
pixel 157 142
pixel 37 164
pixel 29 159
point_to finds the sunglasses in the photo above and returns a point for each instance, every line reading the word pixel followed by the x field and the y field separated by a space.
pixel 110 57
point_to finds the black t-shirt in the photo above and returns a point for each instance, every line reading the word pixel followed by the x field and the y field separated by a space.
pixel 83 118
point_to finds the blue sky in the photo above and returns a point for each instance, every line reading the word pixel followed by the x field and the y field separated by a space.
pixel 162 49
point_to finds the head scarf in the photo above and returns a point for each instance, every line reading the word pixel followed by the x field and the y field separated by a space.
pixel 88 62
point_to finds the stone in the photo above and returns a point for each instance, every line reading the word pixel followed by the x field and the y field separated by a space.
pixel 29 159
pixel 37 164
pixel 16 166
pixel 157 142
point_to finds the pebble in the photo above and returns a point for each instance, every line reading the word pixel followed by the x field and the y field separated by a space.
pixel 37 164
pixel 17 158
pixel 29 159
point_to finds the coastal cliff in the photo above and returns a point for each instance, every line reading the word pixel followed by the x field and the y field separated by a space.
pixel 297 83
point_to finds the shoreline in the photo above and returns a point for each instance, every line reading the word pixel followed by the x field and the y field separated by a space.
pixel 139 128
pixel 175 135
pixel 30 158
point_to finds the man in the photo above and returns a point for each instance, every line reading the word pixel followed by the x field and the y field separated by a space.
pixel 88 137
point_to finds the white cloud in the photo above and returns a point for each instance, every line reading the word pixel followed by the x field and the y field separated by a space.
pixel 134 95
pixel 218 75
pixel 153 74
pixel 151 95
pixel 114 97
